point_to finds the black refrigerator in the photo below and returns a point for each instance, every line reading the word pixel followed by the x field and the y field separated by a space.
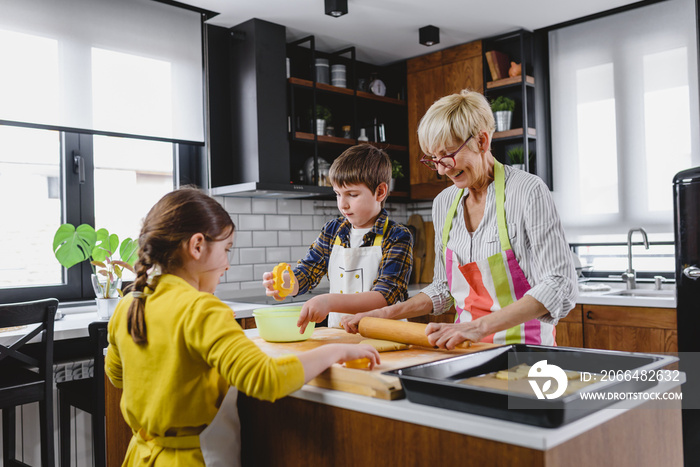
pixel 686 214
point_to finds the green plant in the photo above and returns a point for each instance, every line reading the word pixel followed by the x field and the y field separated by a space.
pixel 322 113
pixel 396 169
pixel 502 103
pixel 73 245
pixel 516 155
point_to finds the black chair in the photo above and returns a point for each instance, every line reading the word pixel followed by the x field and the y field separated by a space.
pixel 87 395
pixel 21 383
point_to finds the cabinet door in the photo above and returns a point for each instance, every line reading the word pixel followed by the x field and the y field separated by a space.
pixel 630 329
pixel 424 88
pixel 465 74
pixel 570 329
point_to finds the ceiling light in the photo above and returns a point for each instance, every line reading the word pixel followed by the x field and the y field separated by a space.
pixel 336 8
pixel 429 35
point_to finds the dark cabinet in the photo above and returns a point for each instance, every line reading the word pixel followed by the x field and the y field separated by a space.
pixel 325 118
pixel 430 77
pixel 516 145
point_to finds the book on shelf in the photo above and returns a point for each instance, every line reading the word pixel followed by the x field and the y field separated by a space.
pixel 499 64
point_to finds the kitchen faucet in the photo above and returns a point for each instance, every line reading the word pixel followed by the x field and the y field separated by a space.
pixel 629 276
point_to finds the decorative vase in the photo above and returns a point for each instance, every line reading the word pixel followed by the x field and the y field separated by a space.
pixel 320 126
pixel 392 184
pixel 99 284
pixel 503 119
pixel 106 306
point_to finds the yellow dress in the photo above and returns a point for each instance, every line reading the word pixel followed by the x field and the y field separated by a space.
pixel 174 384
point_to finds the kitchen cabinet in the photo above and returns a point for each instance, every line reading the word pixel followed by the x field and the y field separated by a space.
pixel 631 329
pixel 570 329
pixel 516 47
pixel 428 78
pixel 350 110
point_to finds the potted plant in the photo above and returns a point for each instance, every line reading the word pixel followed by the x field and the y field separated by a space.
pixel 396 172
pixel 73 245
pixel 516 156
pixel 323 116
pixel 502 108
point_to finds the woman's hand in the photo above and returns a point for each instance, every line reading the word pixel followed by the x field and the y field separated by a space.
pixel 448 335
pixel 314 310
pixel 350 323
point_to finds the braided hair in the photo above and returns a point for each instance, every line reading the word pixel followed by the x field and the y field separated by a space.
pixel 169 224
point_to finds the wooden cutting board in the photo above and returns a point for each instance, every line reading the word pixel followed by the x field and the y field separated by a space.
pixel 429 261
pixel 363 382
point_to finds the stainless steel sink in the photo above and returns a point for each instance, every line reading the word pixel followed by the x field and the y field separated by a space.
pixel 644 293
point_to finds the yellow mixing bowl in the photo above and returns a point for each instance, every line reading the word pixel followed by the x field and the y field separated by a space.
pixel 279 324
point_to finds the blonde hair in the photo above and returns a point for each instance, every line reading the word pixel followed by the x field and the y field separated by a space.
pixel 361 164
pixel 453 119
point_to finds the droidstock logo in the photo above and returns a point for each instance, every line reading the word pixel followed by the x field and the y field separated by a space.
pixel 545 372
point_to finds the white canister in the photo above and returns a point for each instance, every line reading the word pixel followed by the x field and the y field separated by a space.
pixel 338 76
pixel 322 72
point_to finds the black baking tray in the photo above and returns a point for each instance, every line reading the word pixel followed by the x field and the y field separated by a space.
pixel 435 383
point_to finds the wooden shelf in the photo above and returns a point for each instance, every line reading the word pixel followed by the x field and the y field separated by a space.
pixel 347 141
pixel 516 132
pixel 510 81
pixel 346 91
pixel 388 147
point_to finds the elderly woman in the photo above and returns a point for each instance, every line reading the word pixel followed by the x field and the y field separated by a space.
pixel 501 256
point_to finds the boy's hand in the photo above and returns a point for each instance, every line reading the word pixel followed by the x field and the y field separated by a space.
pixel 269 284
pixel 350 323
pixel 314 310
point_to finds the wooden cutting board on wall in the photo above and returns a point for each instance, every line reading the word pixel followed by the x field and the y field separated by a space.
pixel 429 262
pixel 363 382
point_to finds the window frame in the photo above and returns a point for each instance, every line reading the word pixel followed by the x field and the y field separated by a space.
pixel 78 205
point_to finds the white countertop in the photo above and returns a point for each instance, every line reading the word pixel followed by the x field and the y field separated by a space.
pixel 518 434
pixel 608 297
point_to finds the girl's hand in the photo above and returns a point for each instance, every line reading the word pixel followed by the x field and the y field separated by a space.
pixel 357 351
pixel 314 310
pixel 448 335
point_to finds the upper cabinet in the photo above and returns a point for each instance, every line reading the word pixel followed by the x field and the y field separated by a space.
pixel 509 73
pixel 336 101
pixel 430 77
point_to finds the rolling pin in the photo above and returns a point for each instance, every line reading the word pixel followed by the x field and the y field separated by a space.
pixel 398 331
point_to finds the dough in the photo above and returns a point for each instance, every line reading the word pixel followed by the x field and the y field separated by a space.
pixel 384 346
pixel 360 364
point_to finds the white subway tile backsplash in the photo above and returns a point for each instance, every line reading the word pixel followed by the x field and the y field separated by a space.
pixel 298 252
pixel 264 206
pixel 265 239
pixel 242 239
pixel 278 254
pixel 300 222
pixel 252 222
pixel 309 236
pixel 252 255
pixel 234 256
pixel 235 205
pixel 242 272
pixel 256 284
pixel 289 206
pixel 289 238
pixel 320 221
pixel 276 222
pixel 307 206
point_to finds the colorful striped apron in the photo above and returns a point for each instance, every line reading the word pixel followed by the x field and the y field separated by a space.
pixel 484 286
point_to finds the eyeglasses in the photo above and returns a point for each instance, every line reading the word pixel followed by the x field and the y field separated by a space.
pixel 447 161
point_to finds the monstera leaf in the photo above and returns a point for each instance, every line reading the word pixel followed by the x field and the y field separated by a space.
pixel 71 245
pixel 106 245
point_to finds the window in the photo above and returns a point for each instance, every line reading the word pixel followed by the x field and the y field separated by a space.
pixel 624 112
pixel 116 84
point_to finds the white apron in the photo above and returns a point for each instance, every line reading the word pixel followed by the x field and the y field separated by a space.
pixel 353 270
pixel 221 440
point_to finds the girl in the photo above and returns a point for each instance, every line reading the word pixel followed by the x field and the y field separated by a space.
pixel 175 348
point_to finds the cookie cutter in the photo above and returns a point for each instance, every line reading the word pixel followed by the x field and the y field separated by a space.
pixel 278 278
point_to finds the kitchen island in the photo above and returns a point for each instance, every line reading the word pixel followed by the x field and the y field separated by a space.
pixel 328 427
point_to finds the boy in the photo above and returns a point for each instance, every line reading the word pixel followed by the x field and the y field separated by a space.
pixel 367 257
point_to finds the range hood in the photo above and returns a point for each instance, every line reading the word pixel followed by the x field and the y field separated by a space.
pixel 272 190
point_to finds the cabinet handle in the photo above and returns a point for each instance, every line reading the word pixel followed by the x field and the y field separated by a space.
pixel 692 272
pixel 589 314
